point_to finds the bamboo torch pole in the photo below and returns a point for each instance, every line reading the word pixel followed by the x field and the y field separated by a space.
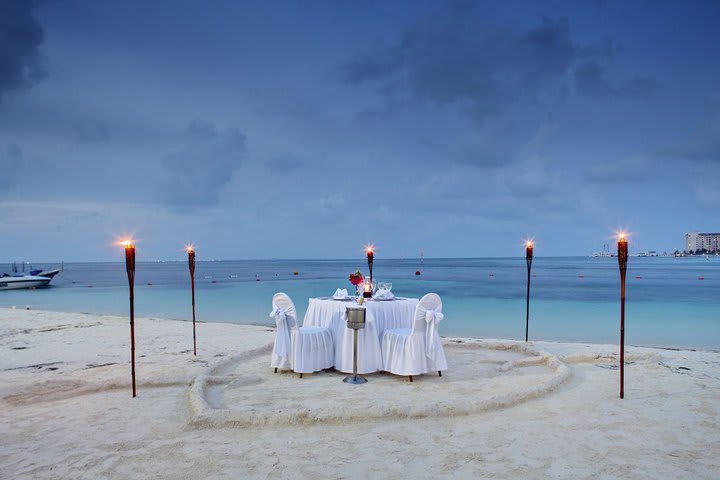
pixel 191 266
pixel 528 260
pixel 622 263
pixel 130 267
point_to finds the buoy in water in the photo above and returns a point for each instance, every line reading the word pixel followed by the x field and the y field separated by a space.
pixel 296 273
pixel 581 276
pixel 638 278
pixel 418 272
pixel 701 278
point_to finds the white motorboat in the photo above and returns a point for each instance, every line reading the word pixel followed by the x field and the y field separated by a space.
pixel 13 282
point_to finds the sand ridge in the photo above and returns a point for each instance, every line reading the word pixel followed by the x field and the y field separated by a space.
pixel 484 376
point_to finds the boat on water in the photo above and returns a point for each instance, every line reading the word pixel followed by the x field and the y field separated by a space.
pixel 33 279
pixel 605 252
pixel 14 282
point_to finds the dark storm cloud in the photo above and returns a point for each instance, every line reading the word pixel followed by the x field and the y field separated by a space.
pixel 196 172
pixel 591 80
pixel 285 163
pixel 10 160
pixel 462 60
pixel 457 58
pixel 632 170
pixel 92 132
pixel 706 153
pixel 697 154
pixel 700 148
pixel 20 36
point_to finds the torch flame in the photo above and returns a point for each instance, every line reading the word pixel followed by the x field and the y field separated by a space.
pixel 189 248
pixel 127 243
pixel 529 244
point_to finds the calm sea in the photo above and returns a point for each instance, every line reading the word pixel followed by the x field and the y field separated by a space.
pixel 572 298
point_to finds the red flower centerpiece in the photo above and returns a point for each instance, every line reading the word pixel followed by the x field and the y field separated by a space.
pixel 356 278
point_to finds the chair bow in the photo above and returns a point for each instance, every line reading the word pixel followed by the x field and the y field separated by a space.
pixel 282 341
pixel 279 315
pixel 432 318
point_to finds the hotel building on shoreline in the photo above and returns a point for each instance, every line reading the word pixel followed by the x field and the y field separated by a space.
pixel 702 242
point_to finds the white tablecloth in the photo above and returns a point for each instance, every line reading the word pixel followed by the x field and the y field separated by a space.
pixel 380 315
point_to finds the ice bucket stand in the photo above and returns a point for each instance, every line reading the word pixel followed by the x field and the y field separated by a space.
pixel 356 321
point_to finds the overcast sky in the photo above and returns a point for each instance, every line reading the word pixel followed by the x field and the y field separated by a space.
pixel 305 129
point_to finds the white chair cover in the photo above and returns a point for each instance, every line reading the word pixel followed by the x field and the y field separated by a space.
pixel 285 317
pixel 416 350
pixel 428 315
pixel 304 350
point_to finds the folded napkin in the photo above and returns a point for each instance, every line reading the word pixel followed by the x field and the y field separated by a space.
pixel 341 293
pixel 383 294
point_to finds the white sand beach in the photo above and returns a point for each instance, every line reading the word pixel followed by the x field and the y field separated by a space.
pixel 504 409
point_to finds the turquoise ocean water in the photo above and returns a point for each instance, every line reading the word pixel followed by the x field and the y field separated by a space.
pixel 572 298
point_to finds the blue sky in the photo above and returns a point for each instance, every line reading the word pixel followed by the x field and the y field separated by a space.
pixel 306 129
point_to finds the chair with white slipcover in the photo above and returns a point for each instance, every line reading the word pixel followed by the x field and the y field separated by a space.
pixel 302 350
pixel 416 350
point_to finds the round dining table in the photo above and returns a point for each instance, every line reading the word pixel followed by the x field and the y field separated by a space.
pixel 380 315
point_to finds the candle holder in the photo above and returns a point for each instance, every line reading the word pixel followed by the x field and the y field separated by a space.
pixel 622 264
pixel 367 289
pixel 191 266
pixel 356 321
pixel 528 260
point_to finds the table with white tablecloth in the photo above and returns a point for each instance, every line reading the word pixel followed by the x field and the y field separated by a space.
pixel 380 316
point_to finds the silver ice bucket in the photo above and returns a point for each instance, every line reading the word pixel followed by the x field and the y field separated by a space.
pixel 355 317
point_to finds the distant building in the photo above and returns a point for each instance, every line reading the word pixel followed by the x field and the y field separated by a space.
pixel 702 242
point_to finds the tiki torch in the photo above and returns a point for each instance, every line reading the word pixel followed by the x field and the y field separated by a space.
pixel 528 260
pixel 370 258
pixel 191 265
pixel 130 267
pixel 622 263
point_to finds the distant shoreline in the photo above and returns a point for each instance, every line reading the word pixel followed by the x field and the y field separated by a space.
pixel 403 259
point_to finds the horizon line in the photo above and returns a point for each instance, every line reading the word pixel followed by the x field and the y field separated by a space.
pixel 315 259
